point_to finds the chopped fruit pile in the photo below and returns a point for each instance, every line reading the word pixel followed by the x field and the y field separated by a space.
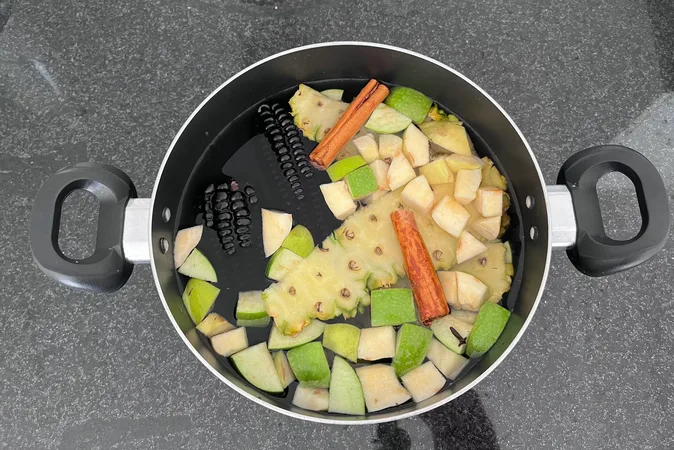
pixel 415 202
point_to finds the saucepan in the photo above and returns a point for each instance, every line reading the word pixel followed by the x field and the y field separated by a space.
pixel 222 136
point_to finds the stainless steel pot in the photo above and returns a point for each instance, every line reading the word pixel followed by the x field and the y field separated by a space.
pixel 563 216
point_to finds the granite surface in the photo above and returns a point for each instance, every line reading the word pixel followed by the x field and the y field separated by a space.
pixel 113 81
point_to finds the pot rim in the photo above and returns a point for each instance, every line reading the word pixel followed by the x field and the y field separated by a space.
pixel 339 421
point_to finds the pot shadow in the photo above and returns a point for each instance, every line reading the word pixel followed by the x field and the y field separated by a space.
pixel 463 423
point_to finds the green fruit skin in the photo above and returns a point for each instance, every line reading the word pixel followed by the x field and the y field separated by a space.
pixel 253 323
pixel 342 339
pixel 281 262
pixel 489 324
pixel 280 341
pixel 198 298
pixel 413 104
pixel 361 182
pixel 310 365
pixel 346 393
pixel 299 241
pixel 343 167
pixel 411 348
pixel 392 307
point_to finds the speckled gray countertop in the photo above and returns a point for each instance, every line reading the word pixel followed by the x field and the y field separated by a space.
pixel 113 81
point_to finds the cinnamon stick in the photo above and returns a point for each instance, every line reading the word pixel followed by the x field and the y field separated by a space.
pixel 348 125
pixel 428 293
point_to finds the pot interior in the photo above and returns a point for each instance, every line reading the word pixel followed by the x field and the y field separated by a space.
pixel 223 139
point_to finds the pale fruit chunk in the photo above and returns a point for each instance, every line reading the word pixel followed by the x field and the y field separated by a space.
pixel 380 171
pixel 186 241
pixel 342 339
pixel 285 373
pixel 338 199
pixel 490 322
pixel 466 185
pixel 463 291
pixel 489 201
pixel 418 195
pixel 313 399
pixel 423 382
pixel 465 316
pixel 275 228
pixel 381 387
pixel 468 247
pixel 214 324
pixel 449 137
pixel 198 266
pixel 449 215
pixel 226 344
pixel 299 241
pixel 437 172
pixel 257 366
pixel 310 365
pixel 416 147
pixel 198 298
pixel 463 162
pixel 400 172
pixel 488 227
pixel 411 347
pixel 346 394
pixel 389 146
pixel 452 332
pixel 367 147
pixel 447 362
pixel 377 343
pixel 335 94
pixel 280 341
pixel 250 306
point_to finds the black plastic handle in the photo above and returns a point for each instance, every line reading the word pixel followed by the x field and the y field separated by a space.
pixel 595 254
pixel 105 270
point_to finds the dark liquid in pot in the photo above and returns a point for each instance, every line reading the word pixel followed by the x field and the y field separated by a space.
pixel 242 151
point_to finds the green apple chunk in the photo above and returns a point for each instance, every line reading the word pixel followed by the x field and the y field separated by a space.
pixel 411 347
pixel 361 182
pixel 282 262
pixel 381 387
pixel 285 373
pixel 250 306
pixel 342 339
pixel 346 394
pixel 214 324
pixel 335 94
pixel 299 241
pixel 230 342
pixel 392 307
pixel 386 120
pixel 257 366
pixel 253 323
pixel 280 341
pixel 186 241
pixel 377 343
pixel 345 166
pixel 448 137
pixel 409 102
pixel 198 298
pixel 276 226
pixel 198 266
pixel 313 399
pixel 452 332
pixel 489 324
pixel 448 363
pixel 310 365
pixel 437 172
pixel 423 382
